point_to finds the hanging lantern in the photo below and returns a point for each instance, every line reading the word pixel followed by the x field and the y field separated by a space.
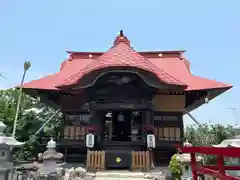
pixel 151 143
pixel 206 100
pixel 90 140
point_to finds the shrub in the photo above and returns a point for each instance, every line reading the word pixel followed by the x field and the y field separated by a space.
pixel 175 168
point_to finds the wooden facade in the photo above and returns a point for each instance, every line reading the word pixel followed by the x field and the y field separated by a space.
pixel 158 112
pixel 164 114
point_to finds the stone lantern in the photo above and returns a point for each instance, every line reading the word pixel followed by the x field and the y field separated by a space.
pixel 48 170
pixel 185 160
pixel 6 143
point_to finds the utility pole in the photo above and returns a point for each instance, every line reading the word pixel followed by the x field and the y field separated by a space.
pixel 234 115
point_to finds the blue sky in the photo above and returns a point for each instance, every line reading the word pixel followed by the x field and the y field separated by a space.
pixel 42 31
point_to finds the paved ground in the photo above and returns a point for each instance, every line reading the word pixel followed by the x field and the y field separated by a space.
pixel 118 175
pixel 165 170
pixel 158 173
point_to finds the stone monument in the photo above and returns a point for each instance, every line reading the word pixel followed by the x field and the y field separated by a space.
pixel 6 143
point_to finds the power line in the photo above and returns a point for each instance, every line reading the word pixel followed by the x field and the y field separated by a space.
pixel 2 76
pixel 234 115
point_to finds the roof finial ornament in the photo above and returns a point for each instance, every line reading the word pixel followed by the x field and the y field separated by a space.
pixel 121 33
pixel 121 39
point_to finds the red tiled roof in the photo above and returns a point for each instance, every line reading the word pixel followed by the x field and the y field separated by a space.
pixel 170 68
pixel 179 68
pixel 47 83
pixel 121 54
pixel 174 66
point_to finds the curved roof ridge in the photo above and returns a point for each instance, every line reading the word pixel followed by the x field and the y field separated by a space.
pixel 122 53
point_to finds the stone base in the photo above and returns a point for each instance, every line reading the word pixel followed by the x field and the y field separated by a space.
pixel 124 174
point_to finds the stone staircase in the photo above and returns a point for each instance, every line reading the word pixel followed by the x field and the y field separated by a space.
pixel 119 175
pixel 126 175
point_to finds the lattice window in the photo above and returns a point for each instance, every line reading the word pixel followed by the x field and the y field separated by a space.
pixel 74 132
pixel 167 133
pixel 178 133
pixel 172 135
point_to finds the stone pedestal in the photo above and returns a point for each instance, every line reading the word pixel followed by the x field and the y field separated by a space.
pixel 48 170
pixel 4 173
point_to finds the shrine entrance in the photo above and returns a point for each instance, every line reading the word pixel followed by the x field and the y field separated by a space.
pixel 121 125
pixel 125 125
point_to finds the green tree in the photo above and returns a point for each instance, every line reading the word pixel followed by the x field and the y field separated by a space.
pixel 207 135
pixel 32 116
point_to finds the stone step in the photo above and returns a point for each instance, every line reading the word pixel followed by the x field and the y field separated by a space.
pixel 119 174
pixel 130 178
pixel 126 175
pixel 118 178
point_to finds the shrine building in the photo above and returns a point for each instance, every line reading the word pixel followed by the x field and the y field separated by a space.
pixel 121 96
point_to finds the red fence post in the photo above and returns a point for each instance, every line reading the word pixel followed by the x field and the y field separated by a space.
pixel 218 171
pixel 220 164
pixel 194 166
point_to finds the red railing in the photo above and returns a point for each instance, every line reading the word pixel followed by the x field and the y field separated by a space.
pixel 218 171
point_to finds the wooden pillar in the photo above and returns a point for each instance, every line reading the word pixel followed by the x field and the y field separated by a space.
pixel 182 131
pixel 194 166
pixel 151 116
pixel 63 120
pixel 150 122
pixel 97 123
pixel 65 153
pixel 148 119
